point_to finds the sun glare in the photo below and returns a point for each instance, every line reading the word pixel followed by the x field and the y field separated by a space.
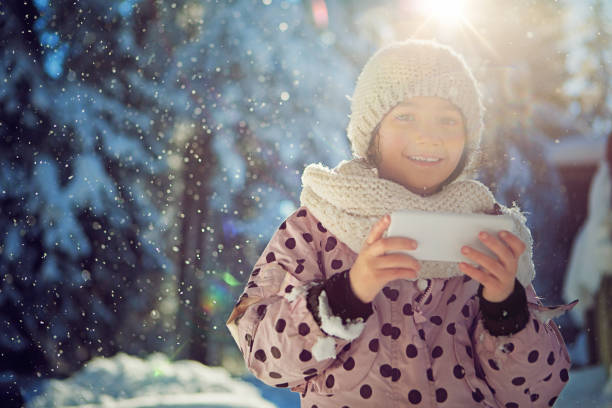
pixel 445 11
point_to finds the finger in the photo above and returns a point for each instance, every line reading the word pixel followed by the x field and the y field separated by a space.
pixel 397 260
pixel 398 273
pixel 504 253
pixel 378 229
pixel 479 275
pixel 515 243
pixel 384 245
pixel 490 264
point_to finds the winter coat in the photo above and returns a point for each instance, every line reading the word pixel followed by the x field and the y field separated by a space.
pixel 424 344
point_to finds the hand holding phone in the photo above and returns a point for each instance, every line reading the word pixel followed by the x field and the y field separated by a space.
pixel 440 236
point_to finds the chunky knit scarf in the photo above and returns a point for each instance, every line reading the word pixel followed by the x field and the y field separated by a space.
pixel 350 198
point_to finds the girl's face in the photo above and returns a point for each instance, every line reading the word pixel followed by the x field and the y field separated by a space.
pixel 420 142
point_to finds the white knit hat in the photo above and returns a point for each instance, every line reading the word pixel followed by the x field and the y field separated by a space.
pixel 406 69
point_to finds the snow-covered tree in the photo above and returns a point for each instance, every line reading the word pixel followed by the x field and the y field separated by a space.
pixel 82 255
pixel 274 80
pixel 589 61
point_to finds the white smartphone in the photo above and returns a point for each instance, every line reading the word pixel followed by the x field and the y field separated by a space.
pixel 440 236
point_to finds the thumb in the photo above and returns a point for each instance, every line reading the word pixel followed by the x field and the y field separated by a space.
pixel 378 229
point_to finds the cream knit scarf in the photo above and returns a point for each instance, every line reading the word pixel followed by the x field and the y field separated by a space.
pixel 350 198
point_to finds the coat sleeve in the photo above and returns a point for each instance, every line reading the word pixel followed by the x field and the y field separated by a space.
pixel 529 367
pixel 279 336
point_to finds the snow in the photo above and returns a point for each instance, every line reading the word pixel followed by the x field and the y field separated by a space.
pixel 586 387
pixel 591 255
pixel 126 381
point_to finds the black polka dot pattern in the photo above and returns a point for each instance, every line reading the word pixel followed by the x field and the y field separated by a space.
pixel 493 364
pixel 458 371
pixel 385 370
pixel 330 244
pixel 441 395
pixel 533 356
pixel 305 355
pixel 407 310
pixel 389 330
pixel 275 352
pixel 261 311
pixel 290 243
pixel 508 348
pixel 260 355
pixel 411 351
pixel 270 257
pixel 349 364
pixel 422 334
pixel 373 345
pixel 477 395
pixel 365 391
pixel 414 396
pixel 564 375
pixel 437 352
pixel 391 294
pixel 303 329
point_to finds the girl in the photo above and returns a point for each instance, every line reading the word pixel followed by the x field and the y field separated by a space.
pixel 330 313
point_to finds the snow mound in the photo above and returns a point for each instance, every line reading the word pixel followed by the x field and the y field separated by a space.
pixel 125 381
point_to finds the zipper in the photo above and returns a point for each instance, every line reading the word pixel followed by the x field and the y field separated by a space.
pixel 418 314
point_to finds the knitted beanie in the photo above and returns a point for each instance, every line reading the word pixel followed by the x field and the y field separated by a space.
pixel 406 69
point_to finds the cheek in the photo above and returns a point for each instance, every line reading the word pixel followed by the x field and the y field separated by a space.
pixel 456 144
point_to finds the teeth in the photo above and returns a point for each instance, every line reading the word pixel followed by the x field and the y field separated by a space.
pixel 424 159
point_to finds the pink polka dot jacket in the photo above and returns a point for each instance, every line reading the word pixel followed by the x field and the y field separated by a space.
pixel 427 343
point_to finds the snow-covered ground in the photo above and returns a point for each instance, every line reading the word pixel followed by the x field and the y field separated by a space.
pixel 156 382
pixel 586 388
pixel 129 382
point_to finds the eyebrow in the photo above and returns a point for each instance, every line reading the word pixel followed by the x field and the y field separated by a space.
pixel 447 106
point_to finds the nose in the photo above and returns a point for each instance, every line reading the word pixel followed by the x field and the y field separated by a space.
pixel 428 133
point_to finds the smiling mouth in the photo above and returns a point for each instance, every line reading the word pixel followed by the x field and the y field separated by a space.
pixel 425 159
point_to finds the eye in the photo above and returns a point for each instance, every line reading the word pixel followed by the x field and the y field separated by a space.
pixel 449 121
pixel 407 117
